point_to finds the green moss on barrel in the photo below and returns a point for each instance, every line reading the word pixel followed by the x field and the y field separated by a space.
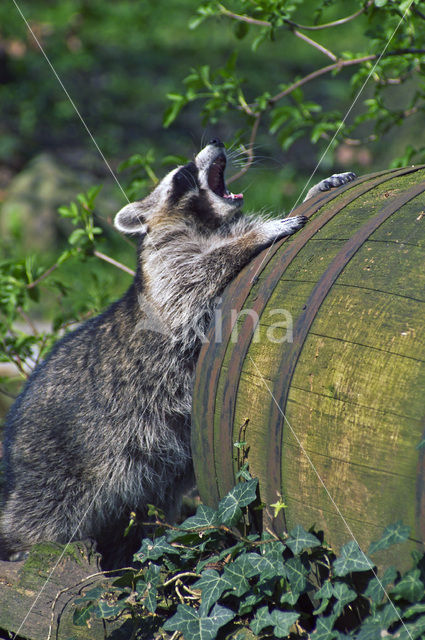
pixel 328 392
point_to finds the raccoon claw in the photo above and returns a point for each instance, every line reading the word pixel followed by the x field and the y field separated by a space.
pixel 294 223
pixel 276 229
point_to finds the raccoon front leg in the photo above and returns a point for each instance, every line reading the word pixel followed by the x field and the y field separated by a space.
pixel 223 261
pixel 335 180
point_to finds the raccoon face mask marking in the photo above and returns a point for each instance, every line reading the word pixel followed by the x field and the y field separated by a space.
pixel 197 188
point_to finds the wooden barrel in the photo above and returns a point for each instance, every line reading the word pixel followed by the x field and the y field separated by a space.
pixel 316 359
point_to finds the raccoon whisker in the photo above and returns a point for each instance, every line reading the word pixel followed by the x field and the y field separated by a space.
pixel 241 150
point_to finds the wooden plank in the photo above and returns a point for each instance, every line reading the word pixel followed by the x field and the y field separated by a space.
pixel 362 376
pixel 388 321
pixel 29 588
pixel 357 434
pixel 361 210
pixel 388 267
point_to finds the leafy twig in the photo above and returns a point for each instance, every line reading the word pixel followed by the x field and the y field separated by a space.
pixel 317 27
pixel 242 18
pixel 43 276
pixel 335 23
pixel 340 64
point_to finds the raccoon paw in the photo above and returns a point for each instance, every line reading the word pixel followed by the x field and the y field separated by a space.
pixel 335 180
pixel 276 229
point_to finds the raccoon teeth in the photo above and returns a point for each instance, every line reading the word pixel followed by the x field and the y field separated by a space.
pixel 233 196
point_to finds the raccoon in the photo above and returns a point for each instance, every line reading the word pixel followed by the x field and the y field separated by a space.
pixel 102 427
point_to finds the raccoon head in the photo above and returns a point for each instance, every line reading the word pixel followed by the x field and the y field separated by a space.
pixel 196 192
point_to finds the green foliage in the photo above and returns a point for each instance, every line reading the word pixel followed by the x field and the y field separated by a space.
pixel 23 281
pixel 106 55
pixel 80 214
pixel 215 576
pixel 389 34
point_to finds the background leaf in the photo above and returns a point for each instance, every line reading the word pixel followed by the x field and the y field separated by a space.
pixel 351 559
pixel 393 534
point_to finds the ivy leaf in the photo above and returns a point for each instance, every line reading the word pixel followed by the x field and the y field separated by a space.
pixel 410 587
pixel 267 566
pixel 381 621
pixel 198 626
pixel 289 598
pixel 370 631
pixel 229 508
pixel 149 596
pixel 107 610
pixel 204 517
pixel 297 575
pixel 324 628
pixel 146 587
pixel 388 615
pixel 89 596
pixel 282 622
pixel 351 559
pixel 393 534
pixel 238 573
pixel 324 594
pixel 261 620
pixel 299 539
pixel 248 602
pixel 82 615
pixel 344 596
pixel 154 549
pixel 212 586
pixel 414 609
pixel 376 588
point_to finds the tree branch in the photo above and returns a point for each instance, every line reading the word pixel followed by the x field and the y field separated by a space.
pixel 290 23
pixel 242 18
pixel 340 64
pixel 315 44
pixel 328 25
pixel 44 275
pixel 96 253
pixel 117 264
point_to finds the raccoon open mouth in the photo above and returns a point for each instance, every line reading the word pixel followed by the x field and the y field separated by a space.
pixel 216 181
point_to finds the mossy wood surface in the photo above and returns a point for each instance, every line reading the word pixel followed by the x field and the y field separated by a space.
pixel 329 390
pixel 49 580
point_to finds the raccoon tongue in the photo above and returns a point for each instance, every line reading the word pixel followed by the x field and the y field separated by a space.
pixel 233 196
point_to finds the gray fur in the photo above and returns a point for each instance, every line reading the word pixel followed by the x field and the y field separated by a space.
pixel 102 427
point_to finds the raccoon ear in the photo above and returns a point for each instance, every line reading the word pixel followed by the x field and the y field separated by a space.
pixel 130 219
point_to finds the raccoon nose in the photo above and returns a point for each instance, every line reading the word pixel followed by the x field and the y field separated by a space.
pixel 216 142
